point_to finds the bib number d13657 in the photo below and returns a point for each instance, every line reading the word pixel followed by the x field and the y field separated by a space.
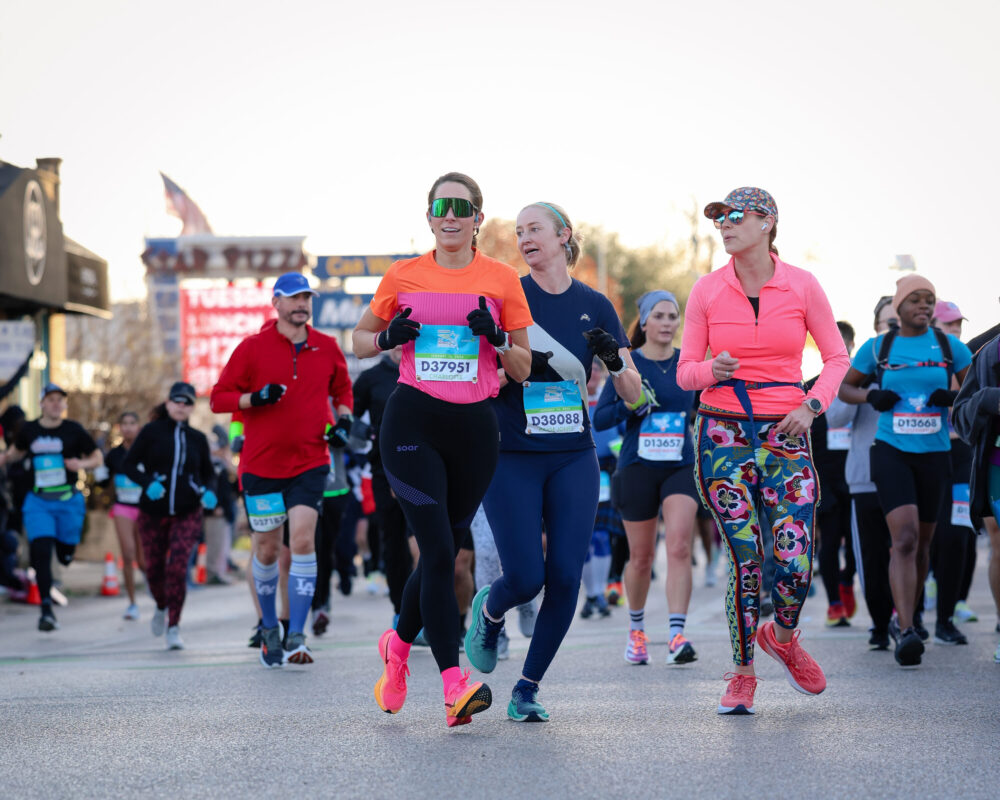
pixel 661 436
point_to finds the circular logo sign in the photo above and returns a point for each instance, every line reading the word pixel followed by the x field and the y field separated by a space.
pixel 35 240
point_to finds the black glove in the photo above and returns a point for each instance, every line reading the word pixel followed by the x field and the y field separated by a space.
pixel 482 324
pixel 337 435
pixel 605 347
pixel 882 399
pixel 540 361
pixel 267 394
pixel 401 330
pixel 944 398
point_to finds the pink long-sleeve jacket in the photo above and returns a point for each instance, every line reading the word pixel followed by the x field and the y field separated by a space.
pixel 719 317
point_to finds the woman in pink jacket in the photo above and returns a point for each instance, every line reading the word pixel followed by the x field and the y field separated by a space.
pixel 752 431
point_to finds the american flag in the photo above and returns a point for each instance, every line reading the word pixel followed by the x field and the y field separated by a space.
pixel 184 208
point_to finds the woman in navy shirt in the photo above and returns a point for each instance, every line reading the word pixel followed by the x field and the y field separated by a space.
pixel 655 473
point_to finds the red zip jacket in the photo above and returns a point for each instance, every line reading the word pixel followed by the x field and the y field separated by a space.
pixel 284 439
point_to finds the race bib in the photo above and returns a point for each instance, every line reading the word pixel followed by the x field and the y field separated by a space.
pixel 266 511
pixel 838 438
pixel 126 491
pixel 446 353
pixel 50 471
pixel 960 505
pixel 912 416
pixel 553 407
pixel 661 436
pixel 604 493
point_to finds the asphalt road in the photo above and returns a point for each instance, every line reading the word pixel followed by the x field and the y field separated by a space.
pixel 100 709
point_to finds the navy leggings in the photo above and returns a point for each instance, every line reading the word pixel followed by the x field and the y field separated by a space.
pixel 559 489
pixel 439 458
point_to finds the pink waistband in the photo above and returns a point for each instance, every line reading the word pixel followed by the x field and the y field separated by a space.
pixel 122 510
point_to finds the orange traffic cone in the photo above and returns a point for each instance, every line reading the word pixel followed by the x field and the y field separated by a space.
pixel 34 597
pixel 109 586
pixel 200 571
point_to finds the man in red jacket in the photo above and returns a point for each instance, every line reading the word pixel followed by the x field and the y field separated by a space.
pixel 282 379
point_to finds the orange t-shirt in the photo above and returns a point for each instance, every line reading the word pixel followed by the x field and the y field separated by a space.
pixel 444 361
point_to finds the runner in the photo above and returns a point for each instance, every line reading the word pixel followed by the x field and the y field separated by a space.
pixel 977 420
pixel 454 310
pixel 655 475
pixel 547 472
pixel 911 467
pixel 54 510
pixel 752 429
pixel 833 514
pixel 170 460
pixel 282 379
pixel 125 510
pixel 869 533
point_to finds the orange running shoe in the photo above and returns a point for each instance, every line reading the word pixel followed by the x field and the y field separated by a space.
pixel 390 689
pixel 637 650
pixel 802 671
pixel 738 698
pixel 847 598
pixel 463 700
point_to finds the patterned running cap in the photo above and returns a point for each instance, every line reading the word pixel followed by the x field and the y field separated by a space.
pixel 746 198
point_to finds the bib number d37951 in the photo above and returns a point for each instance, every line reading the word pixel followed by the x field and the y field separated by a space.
pixel 266 511
pixel 552 407
pixel 446 353
pixel 661 436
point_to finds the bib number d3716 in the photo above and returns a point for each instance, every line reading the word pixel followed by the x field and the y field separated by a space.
pixel 266 511
pixel 446 353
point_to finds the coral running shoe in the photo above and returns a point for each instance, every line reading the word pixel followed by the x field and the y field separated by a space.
pixel 390 689
pixel 802 671
pixel 681 651
pixel 637 651
pixel 463 699
pixel 738 698
pixel 848 599
pixel 836 616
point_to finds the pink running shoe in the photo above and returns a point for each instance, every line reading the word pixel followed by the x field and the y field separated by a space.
pixel 463 699
pixel 801 669
pixel 637 651
pixel 390 689
pixel 738 698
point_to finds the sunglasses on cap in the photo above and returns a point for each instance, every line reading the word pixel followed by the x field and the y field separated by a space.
pixel 460 207
pixel 734 216
pixel 184 401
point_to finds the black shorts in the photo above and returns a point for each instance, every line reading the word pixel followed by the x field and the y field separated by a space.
pixel 911 479
pixel 641 489
pixel 304 489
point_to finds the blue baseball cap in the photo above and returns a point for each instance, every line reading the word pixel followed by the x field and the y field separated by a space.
pixel 49 388
pixel 292 283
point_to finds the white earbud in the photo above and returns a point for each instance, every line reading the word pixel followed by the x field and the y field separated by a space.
pixel 763 227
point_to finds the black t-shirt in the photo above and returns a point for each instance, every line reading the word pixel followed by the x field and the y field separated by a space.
pixel 371 392
pixel 48 449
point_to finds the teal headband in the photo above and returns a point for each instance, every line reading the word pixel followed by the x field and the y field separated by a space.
pixel 553 210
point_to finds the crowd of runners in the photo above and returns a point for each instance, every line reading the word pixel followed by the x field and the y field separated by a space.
pixel 513 444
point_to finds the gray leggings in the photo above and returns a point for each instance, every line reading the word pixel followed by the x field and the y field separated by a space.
pixel 487 560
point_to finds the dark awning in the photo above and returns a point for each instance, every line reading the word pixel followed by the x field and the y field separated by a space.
pixel 86 281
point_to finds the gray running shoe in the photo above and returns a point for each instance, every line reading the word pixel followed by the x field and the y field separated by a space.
pixel 271 654
pixel 296 651
pixel 526 618
pixel 159 622
pixel 503 646
pixel 174 641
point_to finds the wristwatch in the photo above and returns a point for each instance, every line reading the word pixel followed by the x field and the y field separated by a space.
pixel 814 405
pixel 507 344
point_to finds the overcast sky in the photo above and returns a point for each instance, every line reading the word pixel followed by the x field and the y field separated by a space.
pixel 874 124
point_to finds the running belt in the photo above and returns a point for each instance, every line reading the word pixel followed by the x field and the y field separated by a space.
pixel 740 388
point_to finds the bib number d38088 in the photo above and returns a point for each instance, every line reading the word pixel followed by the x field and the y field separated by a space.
pixel 552 407
pixel 266 511
pixel 446 353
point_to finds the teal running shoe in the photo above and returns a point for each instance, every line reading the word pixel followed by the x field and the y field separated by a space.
pixel 481 638
pixel 524 705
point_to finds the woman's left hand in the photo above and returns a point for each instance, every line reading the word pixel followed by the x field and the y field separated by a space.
pixel 797 422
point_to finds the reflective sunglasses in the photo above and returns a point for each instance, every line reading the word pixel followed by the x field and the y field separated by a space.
pixel 734 216
pixel 460 207
pixel 183 401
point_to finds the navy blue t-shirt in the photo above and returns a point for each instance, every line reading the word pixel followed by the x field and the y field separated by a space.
pixel 556 400
pixel 668 421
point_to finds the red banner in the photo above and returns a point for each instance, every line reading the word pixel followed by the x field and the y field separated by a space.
pixel 213 321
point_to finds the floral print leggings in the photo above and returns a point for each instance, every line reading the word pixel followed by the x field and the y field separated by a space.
pixel 746 474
